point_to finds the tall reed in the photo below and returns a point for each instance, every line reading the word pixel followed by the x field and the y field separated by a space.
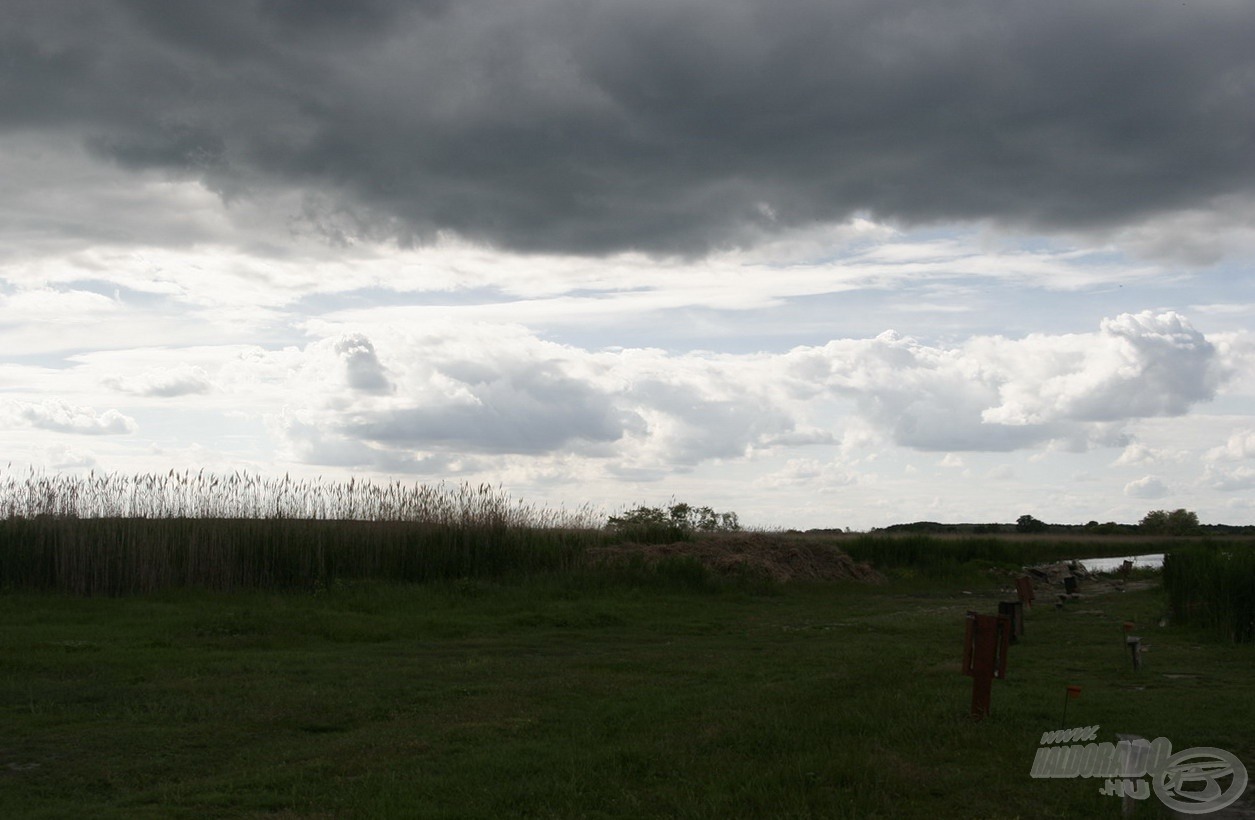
pixel 117 534
pixel 1213 587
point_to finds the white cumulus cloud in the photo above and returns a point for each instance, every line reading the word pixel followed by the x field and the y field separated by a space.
pixel 993 393
pixel 1241 445
pixel 414 399
pixel 163 382
pixel 1147 487
pixel 60 417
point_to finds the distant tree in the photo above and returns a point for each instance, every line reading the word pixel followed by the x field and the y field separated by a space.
pixel 1155 522
pixel 704 519
pixel 1027 523
pixel 1183 522
pixel 1177 522
pixel 674 523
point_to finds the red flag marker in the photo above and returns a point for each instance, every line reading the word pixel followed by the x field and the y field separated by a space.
pixel 1073 692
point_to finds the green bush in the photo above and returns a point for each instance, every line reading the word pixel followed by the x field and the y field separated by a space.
pixel 679 522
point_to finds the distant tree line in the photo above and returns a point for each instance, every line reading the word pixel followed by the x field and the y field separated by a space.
pixel 1155 522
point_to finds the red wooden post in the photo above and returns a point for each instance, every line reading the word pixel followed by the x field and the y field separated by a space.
pixel 1024 586
pixel 986 639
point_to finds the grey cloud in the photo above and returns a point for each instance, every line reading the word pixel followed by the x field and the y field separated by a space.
pixel 63 458
pixel 362 367
pixel 532 409
pixel 458 392
pixel 1147 487
pixel 707 424
pixel 1239 479
pixel 801 438
pixel 312 444
pixel 667 127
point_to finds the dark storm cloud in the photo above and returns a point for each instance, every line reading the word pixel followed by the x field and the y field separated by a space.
pixel 671 126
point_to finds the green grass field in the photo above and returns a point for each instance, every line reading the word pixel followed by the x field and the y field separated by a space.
pixel 581 694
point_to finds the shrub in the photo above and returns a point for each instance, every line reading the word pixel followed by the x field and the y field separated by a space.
pixel 655 525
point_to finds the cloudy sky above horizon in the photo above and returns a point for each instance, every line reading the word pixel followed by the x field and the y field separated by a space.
pixel 823 264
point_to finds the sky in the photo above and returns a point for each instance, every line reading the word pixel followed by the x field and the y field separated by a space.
pixel 823 264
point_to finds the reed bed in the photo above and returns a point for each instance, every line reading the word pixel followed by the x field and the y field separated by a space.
pixel 1213 586
pixel 245 495
pixel 945 553
pixel 122 534
pixel 925 552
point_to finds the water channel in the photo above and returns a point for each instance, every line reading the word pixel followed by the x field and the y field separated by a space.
pixel 1150 561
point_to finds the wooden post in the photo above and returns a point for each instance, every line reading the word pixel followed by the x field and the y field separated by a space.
pixel 1135 648
pixel 1014 610
pixel 1024 587
pixel 985 642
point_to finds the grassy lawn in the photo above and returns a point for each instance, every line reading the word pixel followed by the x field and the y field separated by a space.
pixel 580 696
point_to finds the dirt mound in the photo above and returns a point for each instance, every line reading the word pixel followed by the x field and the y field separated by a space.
pixel 775 556
pixel 1056 571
